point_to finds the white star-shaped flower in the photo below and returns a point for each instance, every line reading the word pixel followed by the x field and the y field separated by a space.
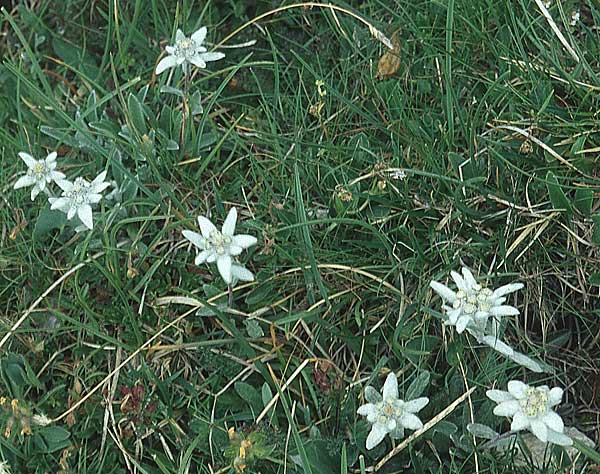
pixel 531 409
pixel 472 304
pixel 4 468
pixel 222 247
pixel 388 414
pixel 78 196
pixel 39 173
pixel 188 50
pixel 478 310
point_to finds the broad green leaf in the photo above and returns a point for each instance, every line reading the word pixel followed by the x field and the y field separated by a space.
pixel 557 196
pixel 253 328
pixel 418 386
pixel 596 229
pixel 136 113
pixel 47 221
pixel 594 279
pixel 55 438
pixel 481 431
pixel 583 201
pixel 249 394
pixel 75 57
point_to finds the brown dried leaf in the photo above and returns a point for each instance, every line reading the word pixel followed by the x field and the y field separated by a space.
pixel 389 63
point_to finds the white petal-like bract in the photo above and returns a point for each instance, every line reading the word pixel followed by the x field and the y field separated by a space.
pixel 187 51
pixel 222 247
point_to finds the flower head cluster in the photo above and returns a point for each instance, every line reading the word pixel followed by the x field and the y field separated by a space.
pixel 531 409
pixel 222 247
pixel 40 173
pixel 78 197
pixel 388 414
pixel 478 310
pixel 4 467
pixel 187 51
pixel 472 305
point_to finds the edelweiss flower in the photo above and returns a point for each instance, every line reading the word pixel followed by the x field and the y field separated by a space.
pixel 472 304
pixel 78 197
pixel 478 310
pixel 4 468
pixel 39 173
pixel 187 50
pixel 388 414
pixel 530 409
pixel 222 247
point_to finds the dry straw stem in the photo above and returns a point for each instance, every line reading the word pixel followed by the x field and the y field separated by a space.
pixel 378 35
pixel 49 290
pixel 434 421
pixel 541 225
pixel 557 32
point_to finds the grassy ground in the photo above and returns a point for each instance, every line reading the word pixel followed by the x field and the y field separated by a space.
pixel 492 120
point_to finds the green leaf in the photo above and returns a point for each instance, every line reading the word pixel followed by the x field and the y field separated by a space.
pixel 253 328
pixel 419 347
pixel 62 136
pixel 75 57
pixel 594 279
pixel 136 114
pixel 171 90
pixel 455 350
pixel 445 427
pixel 55 438
pixel 260 293
pixel 557 196
pixel 583 201
pixel 578 145
pixel 596 230
pixel 584 449
pixel 196 104
pixel 481 431
pixel 48 221
pixel 320 457
pixel 13 374
pixel 418 386
pixel 249 394
pixel 266 394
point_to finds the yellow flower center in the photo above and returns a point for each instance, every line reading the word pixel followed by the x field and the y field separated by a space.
pixel 536 402
pixel 186 48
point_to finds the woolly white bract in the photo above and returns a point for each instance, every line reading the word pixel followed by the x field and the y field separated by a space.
pixel 4 468
pixel 78 196
pixel 530 408
pixel 388 414
pixel 478 311
pixel 40 173
pixel 187 51
pixel 222 247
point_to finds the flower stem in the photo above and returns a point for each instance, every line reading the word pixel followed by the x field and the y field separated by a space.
pixel 184 104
